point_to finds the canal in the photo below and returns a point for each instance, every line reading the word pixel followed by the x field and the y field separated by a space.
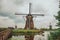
pixel 36 37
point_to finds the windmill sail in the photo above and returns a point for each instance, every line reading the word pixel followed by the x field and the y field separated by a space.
pixel 29 8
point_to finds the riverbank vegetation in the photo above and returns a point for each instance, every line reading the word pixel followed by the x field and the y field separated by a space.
pixel 23 32
pixel 55 35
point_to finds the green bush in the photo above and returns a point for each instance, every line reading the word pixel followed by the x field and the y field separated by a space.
pixel 54 35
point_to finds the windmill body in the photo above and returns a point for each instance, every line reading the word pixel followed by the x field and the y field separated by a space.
pixel 29 22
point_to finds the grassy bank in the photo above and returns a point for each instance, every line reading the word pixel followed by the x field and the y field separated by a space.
pixel 2 29
pixel 23 32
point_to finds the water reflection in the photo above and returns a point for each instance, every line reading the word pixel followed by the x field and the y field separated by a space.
pixel 29 37
pixel 42 37
pixel 32 37
pixel 21 37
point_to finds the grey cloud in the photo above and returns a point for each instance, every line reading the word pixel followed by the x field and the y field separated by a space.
pixel 5 14
pixel 18 2
pixel 19 21
pixel 11 16
pixel 38 9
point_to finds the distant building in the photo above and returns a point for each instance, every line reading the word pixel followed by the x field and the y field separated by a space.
pixel 10 27
pixel 15 26
pixel 50 26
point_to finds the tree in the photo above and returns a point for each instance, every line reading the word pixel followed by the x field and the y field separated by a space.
pixel 58 18
pixel 54 35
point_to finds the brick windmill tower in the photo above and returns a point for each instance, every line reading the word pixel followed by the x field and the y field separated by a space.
pixel 29 18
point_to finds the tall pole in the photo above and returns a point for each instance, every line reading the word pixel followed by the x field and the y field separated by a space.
pixel 59 5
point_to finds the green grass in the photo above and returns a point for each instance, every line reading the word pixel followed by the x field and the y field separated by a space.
pixel 19 31
pixel 2 29
pixel 23 32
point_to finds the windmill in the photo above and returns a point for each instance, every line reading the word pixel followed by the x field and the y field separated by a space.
pixel 29 18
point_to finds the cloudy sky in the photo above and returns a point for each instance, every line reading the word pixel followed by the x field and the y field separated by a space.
pixel 8 8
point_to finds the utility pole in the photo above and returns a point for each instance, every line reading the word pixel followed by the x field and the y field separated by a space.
pixel 59 3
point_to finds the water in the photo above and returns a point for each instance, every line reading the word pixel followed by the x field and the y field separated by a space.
pixel 41 37
pixel 36 37
pixel 18 37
